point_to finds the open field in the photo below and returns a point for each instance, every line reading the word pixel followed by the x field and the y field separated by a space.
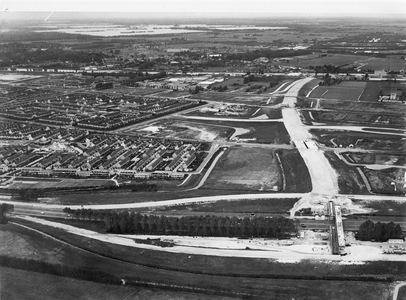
pixel 256 275
pixel 362 118
pixel 349 180
pixel 242 112
pixel 20 284
pixel 388 181
pixel 139 91
pixel 241 98
pixel 259 132
pixel 358 140
pixel 344 91
pixel 333 59
pixel 108 197
pixel 246 169
pixel 308 87
pixel 381 159
pixel 393 63
pixel 384 208
pixel 373 89
pixel 13 78
pixel 232 111
pixel 297 177
pixel 260 206
pixel 177 129
pixel 41 183
pixel 171 94
pixel 366 63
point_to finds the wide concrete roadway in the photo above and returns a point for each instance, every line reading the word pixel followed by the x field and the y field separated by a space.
pixel 323 176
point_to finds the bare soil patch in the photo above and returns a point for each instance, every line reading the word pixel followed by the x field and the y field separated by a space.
pixel 247 169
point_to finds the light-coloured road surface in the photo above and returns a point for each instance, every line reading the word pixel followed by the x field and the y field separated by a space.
pixel 55 207
pixel 396 291
pixel 232 119
pixel 323 176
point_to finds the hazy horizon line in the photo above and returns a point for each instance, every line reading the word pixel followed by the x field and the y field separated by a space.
pixel 215 14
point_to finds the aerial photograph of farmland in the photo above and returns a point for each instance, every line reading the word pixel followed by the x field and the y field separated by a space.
pixel 203 150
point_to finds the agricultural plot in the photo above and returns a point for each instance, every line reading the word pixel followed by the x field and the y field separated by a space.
pixel 333 59
pixel 342 91
pixel 394 63
pixel 246 169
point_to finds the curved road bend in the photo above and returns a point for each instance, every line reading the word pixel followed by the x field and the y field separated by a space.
pixel 396 291
pixel 323 176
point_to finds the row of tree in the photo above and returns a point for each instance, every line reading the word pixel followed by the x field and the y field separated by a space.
pixel 136 223
pixel 380 232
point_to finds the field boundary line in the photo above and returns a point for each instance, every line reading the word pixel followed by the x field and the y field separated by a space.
pixel 283 172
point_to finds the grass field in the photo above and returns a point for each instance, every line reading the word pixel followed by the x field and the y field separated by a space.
pixel 246 169
pixel 257 286
pixel 373 88
pixel 260 206
pixel 184 129
pixel 40 183
pixel 242 98
pixel 247 113
pixel 343 91
pixel 370 158
pixel 359 139
pixel 358 118
pixel 381 181
pixel 171 93
pixel 109 197
pixel 20 284
pixel 333 59
pixel 349 180
pixel 262 132
pixel 297 175
pixel 308 87
pixel 384 208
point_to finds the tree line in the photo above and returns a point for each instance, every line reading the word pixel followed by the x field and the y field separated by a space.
pixel 380 232
pixel 221 226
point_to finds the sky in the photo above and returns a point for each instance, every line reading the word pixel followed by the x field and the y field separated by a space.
pixel 309 7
